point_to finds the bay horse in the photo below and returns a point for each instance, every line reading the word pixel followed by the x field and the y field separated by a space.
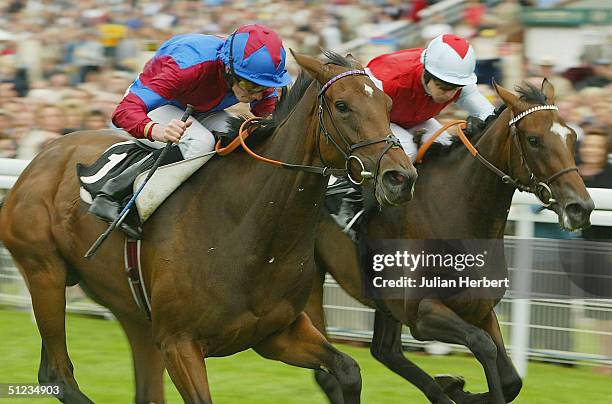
pixel 228 259
pixel 457 197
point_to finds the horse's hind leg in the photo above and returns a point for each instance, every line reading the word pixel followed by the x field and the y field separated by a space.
pixel 184 360
pixel 45 275
pixel 148 362
pixel 387 348
pixel 302 345
pixel 314 308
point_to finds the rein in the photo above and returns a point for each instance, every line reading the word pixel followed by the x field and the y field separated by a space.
pixel 541 189
pixel 346 152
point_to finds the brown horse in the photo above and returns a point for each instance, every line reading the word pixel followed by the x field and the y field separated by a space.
pixel 457 197
pixel 228 260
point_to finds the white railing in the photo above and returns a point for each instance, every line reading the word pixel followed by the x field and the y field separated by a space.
pixel 348 319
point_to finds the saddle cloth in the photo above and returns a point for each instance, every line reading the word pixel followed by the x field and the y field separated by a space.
pixel 118 157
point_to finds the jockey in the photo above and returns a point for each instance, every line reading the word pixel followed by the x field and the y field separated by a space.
pixel 207 72
pixel 422 82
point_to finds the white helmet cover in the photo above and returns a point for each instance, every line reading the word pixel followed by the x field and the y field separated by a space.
pixel 450 58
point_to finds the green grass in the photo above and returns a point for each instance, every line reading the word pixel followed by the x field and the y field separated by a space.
pixel 99 352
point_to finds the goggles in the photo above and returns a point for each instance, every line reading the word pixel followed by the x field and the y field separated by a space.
pixel 249 86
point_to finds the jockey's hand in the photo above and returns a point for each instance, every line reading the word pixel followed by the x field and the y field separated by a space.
pixel 171 132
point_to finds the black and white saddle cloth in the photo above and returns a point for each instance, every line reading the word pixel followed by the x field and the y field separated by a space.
pixel 172 172
pixel 110 164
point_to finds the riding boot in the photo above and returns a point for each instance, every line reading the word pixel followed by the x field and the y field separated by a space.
pixel 350 206
pixel 107 203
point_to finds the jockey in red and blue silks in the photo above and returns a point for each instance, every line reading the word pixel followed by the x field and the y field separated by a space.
pixel 209 73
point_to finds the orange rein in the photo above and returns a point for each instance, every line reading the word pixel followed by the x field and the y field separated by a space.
pixel 243 134
pixel 460 124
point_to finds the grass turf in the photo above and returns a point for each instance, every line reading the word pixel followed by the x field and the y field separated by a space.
pixel 103 369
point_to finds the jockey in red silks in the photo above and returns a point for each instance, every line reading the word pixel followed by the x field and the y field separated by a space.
pixel 422 82
pixel 208 72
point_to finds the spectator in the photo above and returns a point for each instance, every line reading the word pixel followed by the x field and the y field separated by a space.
pixel 8 145
pixel 50 118
pixel 602 75
pixel 73 114
pixel 96 119
pixel 593 156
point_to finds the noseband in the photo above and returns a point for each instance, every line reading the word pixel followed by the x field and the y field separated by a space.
pixel 540 188
pixel 347 149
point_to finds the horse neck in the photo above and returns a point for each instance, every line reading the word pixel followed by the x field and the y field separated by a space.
pixel 289 200
pixel 491 198
pixel 460 196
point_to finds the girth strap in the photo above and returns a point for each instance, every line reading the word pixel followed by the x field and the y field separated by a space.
pixel 134 274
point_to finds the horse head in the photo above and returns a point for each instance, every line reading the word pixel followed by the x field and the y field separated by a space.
pixel 354 129
pixel 545 162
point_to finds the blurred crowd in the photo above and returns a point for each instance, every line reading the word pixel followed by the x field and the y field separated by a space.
pixel 64 65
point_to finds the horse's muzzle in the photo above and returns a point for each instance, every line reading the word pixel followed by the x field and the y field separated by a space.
pixel 576 214
pixel 397 187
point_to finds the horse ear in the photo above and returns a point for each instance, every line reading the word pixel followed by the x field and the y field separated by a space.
pixel 507 96
pixel 312 66
pixel 356 64
pixel 548 90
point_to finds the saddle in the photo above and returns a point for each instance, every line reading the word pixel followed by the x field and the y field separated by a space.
pixel 120 156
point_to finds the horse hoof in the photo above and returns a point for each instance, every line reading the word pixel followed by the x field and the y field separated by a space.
pixel 450 383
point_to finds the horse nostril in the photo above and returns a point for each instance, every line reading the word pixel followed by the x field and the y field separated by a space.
pixel 395 178
pixel 576 210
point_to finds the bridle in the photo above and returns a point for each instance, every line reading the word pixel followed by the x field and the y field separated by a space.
pixel 540 188
pixel 346 151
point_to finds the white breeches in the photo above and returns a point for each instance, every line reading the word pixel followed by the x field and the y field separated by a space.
pixel 406 139
pixel 198 138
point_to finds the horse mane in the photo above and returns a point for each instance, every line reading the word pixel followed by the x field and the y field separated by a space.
pixel 527 92
pixel 286 105
pixel 530 93
pixel 334 58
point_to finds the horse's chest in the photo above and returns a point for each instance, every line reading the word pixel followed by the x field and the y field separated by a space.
pixel 250 328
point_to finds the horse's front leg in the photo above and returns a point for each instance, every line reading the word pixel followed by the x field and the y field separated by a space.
pixel 184 360
pixel 301 344
pixel 387 348
pixel 436 321
pixel 511 381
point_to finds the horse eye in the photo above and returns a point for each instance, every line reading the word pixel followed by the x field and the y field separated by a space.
pixel 534 141
pixel 341 106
